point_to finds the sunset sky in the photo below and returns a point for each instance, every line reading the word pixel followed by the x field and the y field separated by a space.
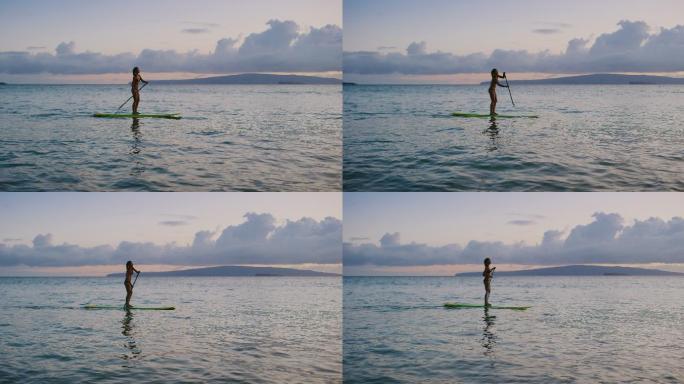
pixel 444 41
pixel 95 41
pixel 444 233
pixel 94 233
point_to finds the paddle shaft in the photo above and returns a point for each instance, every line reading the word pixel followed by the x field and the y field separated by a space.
pixel 509 90
pixel 129 99
pixel 136 279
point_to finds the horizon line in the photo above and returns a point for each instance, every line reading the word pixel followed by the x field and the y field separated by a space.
pixel 551 77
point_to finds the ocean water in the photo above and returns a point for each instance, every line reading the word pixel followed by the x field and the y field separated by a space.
pixel 587 138
pixel 579 330
pixel 245 329
pixel 231 138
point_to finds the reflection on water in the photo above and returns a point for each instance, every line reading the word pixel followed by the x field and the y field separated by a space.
pixel 493 132
pixel 488 336
pixel 633 135
pixel 137 136
pixel 272 138
pixel 127 330
pixel 136 148
pixel 224 329
pixel 616 330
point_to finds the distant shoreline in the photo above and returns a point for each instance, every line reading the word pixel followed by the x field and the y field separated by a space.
pixel 241 79
pixel 563 271
pixel 236 271
pixel 580 270
pixel 602 79
pixel 158 82
pixel 593 79
pixel 152 275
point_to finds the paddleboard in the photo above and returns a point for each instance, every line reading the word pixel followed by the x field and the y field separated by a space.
pixel 476 115
pixel 463 306
pixel 129 115
pixel 120 307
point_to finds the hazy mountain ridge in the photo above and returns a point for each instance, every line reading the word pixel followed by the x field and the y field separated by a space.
pixel 256 78
pixel 231 270
pixel 601 79
pixel 580 270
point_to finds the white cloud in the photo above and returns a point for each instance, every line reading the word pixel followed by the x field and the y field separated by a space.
pixel 259 240
pixel 282 47
pixel 605 240
pixel 632 48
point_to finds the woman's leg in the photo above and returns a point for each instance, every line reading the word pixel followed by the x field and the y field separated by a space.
pixel 136 101
pixel 129 294
pixel 492 105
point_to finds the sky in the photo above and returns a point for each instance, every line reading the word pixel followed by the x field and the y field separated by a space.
pixel 445 233
pixel 446 41
pixel 48 41
pixel 95 233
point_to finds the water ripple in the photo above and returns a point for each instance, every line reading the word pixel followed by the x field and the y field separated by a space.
pixel 289 135
pixel 583 141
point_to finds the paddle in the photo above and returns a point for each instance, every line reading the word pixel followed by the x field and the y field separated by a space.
pixel 509 89
pixel 129 99
pixel 137 274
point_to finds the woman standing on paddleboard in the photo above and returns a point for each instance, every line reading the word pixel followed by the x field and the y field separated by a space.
pixel 135 90
pixel 492 90
pixel 487 279
pixel 129 286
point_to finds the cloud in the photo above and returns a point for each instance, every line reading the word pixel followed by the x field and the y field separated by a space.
pixel 177 220
pixel 546 31
pixel 11 239
pixel 607 239
pixel 521 222
pixel 359 238
pixel 173 223
pixel 386 48
pixel 415 49
pixel 282 47
pixel 195 31
pixel 258 240
pixel 35 48
pixel 631 48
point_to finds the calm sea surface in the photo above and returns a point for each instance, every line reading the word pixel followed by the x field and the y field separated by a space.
pixel 246 329
pixel 579 330
pixel 231 137
pixel 587 138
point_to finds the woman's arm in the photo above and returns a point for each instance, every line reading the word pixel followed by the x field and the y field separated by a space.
pixel 502 77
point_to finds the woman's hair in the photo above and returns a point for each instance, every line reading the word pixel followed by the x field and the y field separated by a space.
pixel 129 263
pixel 487 261
pixel 494 71
pixel 136 70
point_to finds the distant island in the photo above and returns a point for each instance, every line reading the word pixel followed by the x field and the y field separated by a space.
pixel 579 270
pixel 256 78
pixel 234 271
pixel 600 79
pixel 1 83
